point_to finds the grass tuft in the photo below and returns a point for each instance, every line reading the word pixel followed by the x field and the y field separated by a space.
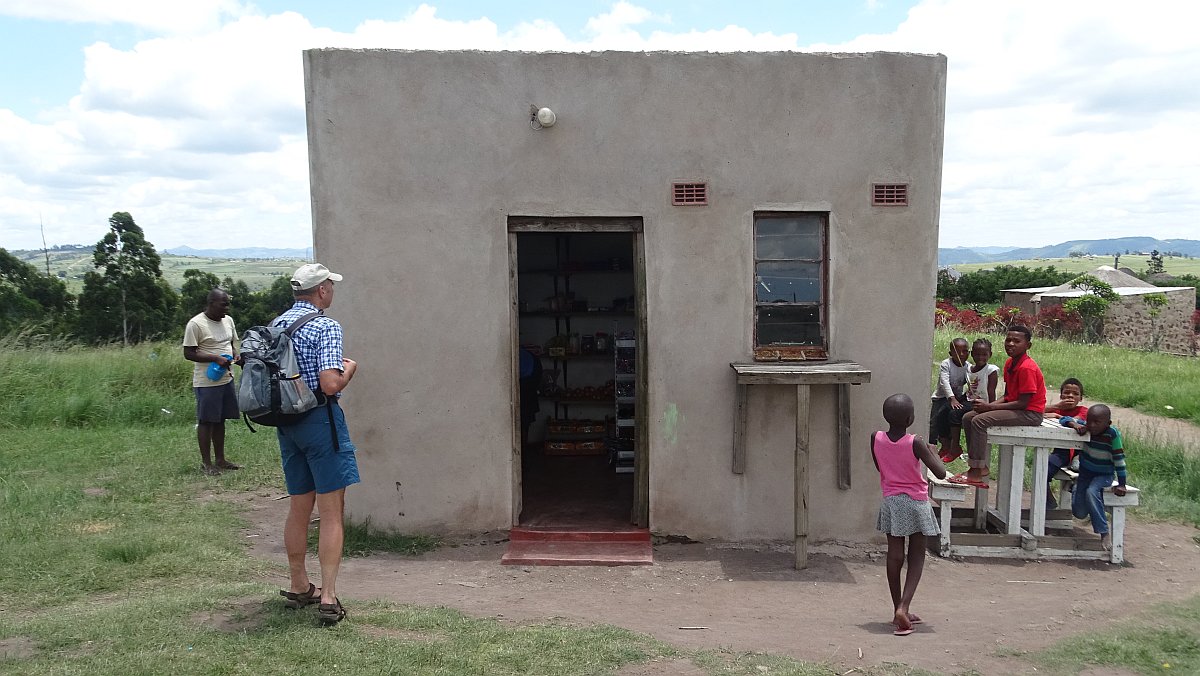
pixel 364 538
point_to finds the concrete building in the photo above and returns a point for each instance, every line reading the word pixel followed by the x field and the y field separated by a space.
pixel 709 207
pixel 1130 321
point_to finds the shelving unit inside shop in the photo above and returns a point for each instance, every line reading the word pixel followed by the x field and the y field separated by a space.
pixel 571 306
pixel 624 403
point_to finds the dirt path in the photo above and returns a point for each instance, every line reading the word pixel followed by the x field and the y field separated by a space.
pixel 976 611
pixel 1154 429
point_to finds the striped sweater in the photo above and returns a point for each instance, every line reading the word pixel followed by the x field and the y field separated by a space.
pixel 1104 454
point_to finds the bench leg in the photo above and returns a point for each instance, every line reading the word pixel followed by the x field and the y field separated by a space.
pixel 1117 529
pixel 947 510
pixel 1041 484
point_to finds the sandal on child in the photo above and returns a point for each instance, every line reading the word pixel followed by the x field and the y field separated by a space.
pixel 331 613
pixel 297 600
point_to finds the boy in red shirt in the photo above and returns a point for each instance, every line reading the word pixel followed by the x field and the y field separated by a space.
pixel 1023 404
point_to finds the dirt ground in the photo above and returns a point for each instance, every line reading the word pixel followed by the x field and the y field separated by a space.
pixel 977 612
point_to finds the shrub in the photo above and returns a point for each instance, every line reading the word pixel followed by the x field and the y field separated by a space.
pixel 1055 321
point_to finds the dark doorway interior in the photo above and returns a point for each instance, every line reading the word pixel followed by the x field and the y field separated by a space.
pixel 577 323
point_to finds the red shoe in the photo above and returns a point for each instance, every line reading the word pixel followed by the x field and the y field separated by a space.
pixel 948 457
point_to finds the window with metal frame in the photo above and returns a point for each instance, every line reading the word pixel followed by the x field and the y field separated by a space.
pixel 790 290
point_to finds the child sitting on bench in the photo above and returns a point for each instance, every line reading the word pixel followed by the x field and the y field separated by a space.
pixel 1069 405
pixel 1103 456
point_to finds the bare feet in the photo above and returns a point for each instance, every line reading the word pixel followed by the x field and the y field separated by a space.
pixel 1106 541
pixel 225 464
pixel 903 624
pixel 210 470
pixel 977 473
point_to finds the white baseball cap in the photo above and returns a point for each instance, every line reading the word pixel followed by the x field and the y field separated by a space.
pixel 311 274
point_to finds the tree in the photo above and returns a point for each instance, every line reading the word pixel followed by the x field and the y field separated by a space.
pixel 126 296
pixel 29 297
pixel 1155 302
pixel 1155 266
pixel 193 295
pixel 1092 305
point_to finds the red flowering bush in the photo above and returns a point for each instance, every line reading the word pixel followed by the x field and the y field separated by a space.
pixel 1055 321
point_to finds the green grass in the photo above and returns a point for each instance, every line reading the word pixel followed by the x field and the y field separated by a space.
pixel 1172 265
pixel 362 539
pixel 1147 381
pixel 173 631
pixel 256 273
pixel 147 385
pixel 1163 640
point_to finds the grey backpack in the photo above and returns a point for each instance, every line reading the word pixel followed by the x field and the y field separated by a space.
pixel 271 391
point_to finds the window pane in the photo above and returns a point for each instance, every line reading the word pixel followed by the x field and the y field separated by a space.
pixel 789 325
pixel 792 237
pixel 787 282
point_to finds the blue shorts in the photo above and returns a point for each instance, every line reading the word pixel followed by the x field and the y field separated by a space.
pixel 216 404
pixel 309 459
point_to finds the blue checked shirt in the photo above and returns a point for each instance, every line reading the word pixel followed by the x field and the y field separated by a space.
pixel 318 344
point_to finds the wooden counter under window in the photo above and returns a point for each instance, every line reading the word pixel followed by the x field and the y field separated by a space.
pixel 802 376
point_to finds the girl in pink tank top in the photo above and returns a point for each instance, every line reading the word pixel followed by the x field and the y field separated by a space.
pixel 905 512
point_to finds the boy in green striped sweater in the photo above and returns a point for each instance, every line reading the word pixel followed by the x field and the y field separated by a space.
pixel 1103 457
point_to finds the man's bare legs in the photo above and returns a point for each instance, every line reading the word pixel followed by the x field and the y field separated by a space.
pixel 331 506
pixel 295 538
pixel 211 438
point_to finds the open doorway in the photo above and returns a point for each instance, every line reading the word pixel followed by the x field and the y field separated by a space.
pixel 579 323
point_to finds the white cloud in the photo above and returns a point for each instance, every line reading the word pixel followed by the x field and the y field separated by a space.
pixel 1064 120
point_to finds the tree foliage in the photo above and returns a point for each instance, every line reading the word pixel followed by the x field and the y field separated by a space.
pixel 986 286
pixel 1155 267
pixel 1092 305
pixel 126 296
pixel 29 299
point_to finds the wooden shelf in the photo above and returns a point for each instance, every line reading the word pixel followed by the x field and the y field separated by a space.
pixel 580 357
pixel 575 313
pixel 571 273
pixel 563 400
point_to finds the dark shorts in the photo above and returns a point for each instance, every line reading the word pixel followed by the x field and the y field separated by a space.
pixel 310 462
pixel 216 404
pixel 942 416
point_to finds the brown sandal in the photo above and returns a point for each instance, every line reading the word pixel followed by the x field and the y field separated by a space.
pixel 331 613
pixel 297 600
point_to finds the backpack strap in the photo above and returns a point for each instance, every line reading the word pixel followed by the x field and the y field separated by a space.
pixel 292 328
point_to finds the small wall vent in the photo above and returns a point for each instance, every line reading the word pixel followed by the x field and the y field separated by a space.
pixel 689 194
pixel 889 195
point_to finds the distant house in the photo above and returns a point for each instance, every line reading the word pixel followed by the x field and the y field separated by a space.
pixel 1128 322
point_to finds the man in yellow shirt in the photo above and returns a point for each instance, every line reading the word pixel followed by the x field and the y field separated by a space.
pixel 210 338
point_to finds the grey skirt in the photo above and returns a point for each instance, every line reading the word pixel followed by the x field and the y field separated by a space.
pixel 901 516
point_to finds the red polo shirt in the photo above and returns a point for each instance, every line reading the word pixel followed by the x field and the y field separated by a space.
pixel 1026 378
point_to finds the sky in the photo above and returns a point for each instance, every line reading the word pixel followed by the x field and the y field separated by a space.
pixel 1064 120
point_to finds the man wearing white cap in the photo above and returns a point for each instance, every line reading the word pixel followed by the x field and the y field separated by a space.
pixel 317 454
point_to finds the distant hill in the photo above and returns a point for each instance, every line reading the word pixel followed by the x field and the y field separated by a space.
pixel 247 252
pixel 1098 247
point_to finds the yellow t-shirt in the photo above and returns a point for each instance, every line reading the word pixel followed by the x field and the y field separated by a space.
pixel 209 337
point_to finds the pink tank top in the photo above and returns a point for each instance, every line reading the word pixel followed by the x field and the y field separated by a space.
pixel 899 470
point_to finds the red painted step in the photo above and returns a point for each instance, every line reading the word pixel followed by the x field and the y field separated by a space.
pixel 566 547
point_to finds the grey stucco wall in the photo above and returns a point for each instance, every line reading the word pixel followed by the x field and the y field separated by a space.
pixel 418 158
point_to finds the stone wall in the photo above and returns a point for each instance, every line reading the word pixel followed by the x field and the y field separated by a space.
pixel 1128 322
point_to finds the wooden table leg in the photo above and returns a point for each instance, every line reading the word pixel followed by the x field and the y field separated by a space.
pixel 1000 477
pixel 843 446
pixel 947 511
pixel 1038 492
pixel 801 518
pixel 741 411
